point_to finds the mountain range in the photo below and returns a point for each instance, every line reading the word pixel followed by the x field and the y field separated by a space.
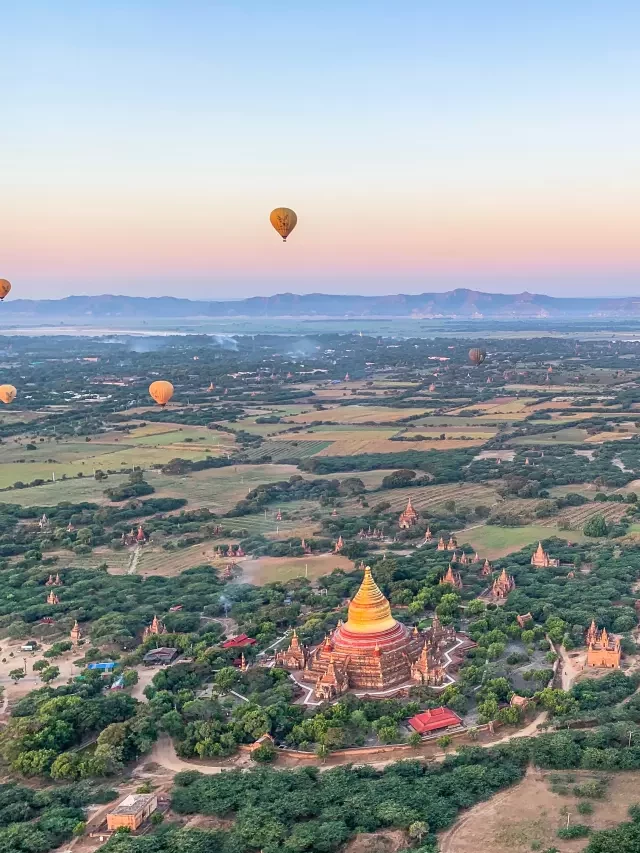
pixel 455 304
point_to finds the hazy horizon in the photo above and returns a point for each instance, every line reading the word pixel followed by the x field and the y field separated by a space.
pixel 424 148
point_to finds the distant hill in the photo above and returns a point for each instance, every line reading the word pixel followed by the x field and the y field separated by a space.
pixel 460 303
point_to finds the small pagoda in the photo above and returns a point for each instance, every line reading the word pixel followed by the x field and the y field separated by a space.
pixel 408 518
pixel 452 578
pixel 75 635
pixel 442 546
pixel 338 546
pixel 452 544
pixel 52 598
pixel 428 669
pixel 486 569
pixel 541 559
pixel 156 628
pixel 603 650
pixel 295 657
pixel 503 585
pixel 428 535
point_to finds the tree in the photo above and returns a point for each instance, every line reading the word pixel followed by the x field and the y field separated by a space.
pixel 50 674
pixel 17 674
pixel 265 753
pixel 444 742
pixel 414 739
pixel 475 607
pixel 596 526
pixel 418 829
pixel 227 677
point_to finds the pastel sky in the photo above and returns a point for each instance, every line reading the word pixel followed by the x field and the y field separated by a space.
pixel 424 144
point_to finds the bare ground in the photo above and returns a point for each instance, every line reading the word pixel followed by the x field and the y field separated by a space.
pixel 532 813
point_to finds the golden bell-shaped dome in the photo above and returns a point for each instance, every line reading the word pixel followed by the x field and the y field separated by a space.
pixel 369 610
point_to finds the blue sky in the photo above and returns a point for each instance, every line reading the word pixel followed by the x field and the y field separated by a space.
pixel 423 145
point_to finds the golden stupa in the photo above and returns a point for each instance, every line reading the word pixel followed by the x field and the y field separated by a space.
pixel 369 610
pixel 370 652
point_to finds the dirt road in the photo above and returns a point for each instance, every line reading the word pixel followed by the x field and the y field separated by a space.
pixel 164 754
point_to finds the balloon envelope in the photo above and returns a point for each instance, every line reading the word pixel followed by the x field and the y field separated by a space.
pixel 161 392
pixel 5 287
pixel 7 393
pixel 477 355
pixel 284 220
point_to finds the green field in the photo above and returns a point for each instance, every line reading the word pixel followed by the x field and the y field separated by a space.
pixel 75 491
pixel 572 435
pixel 219 489
pixel 493 542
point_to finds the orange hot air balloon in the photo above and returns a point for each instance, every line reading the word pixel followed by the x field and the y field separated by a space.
pixel 7 394
pixel 284 220
pixel 477 356
pixel 5 287
pixel 161 392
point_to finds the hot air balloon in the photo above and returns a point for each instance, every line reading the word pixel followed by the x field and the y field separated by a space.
pixel 477 356
pixel 7 394
pixel 284 220
pixel 5 287
pixel 161 392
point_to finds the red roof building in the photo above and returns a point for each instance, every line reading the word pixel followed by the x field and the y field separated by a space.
pixel 434 720
pixel 236 642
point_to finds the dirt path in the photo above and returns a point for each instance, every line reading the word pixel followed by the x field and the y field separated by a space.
pixel 133 562
pixel 448 841
pixel 145 677
pixel 164 754
pixel 571 669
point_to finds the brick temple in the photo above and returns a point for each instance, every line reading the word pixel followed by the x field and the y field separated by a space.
pixel 371 650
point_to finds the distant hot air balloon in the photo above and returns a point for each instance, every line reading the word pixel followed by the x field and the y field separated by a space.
pixel 5 287
pixel 161 392
pixel 284 220
pixel 7 394
pixel 477 356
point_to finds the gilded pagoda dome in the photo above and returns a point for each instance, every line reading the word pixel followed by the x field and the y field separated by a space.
pixel 369 610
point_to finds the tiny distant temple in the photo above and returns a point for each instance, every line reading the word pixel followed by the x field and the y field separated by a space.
pixel 602 649
pixel 502 585
pixel 408 518
pixel 75 634
pixel 54 581
pixel 138 537
pixel 154 629
pixel 339 545
pixel 452 578
pixel 371 651
pixel 52 598
pixel 541 560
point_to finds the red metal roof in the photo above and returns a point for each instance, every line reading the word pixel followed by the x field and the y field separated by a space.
pixel 240 640
pixel 434 719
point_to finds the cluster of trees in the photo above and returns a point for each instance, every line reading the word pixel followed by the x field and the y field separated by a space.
pixel 118 607
pixel 604 592
pixel 294 489
pixel 306 810
pixel 36 821
pixel 48 722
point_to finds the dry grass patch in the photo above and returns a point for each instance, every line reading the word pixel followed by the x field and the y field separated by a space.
pixel 354 447
pixel 269 569
pixel 358 415
pixel 531 813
